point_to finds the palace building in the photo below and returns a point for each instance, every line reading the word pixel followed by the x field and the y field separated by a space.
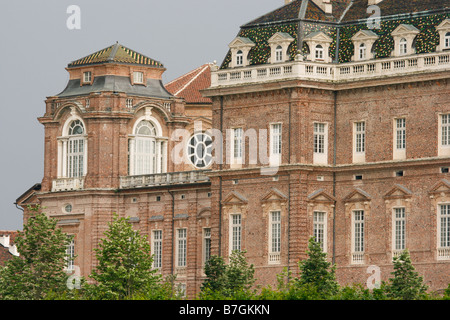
pixel 334 122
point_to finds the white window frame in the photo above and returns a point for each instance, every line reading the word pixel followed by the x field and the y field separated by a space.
pixel 138 77
pixel 87 77
pixel 279 54
pixel 157 248
pixel 319 52
pixel 447 40
pixel 362 51
pixel 358 232
pixel 320 146
pixel 72 151
pixel 237 145
pixel 320 228
pixel 181 249
pixel 398 230
pixel 276 143
pixel 235 232
pixel 206 245
pixel 403 46
pixel 70 254
pixel 443 231
pixel 444 134
pixel 274 236
pixel 239 58
pixel 399 142
pixel 359 141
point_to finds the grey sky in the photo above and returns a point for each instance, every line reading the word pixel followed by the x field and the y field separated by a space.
pixel 36 46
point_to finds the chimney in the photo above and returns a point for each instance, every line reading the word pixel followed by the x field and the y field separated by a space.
pixel 373 2
pixel 325 5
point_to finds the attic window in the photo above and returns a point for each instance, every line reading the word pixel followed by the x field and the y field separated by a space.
pixel 87 77
pixel 138 77
pixel 239 58
pixel 279 54
pixel 362 51
pixel 447 41
pixel 319 52
pixel 403 46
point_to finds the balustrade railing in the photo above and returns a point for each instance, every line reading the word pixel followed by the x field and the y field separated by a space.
pixel 163 179
pixel 330 72
pixel 68 184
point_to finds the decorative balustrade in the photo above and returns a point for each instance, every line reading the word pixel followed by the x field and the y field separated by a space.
pixel 161 179
pixel 68 184
pixel 443 253
pixel 344 72
pixel 274 258
pixel 358 258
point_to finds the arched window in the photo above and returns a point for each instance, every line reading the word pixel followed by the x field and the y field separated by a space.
pixel 319 52
pixel 239 58
pixel 72 150
pixel 362 51
pixel 447 40
pixel 147 150
pixel 403 46
pixel 279 54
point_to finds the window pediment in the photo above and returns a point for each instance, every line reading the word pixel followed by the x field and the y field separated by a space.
pixel 444 35
pixel 241 42
pixel 318 36
pixel 280 37
pixel 274 195
pixel 357 195
pixel 442 186
pixel 444 25
pixel 364 35
pixel 398 192
pixel 321 196
pixel 234 198
pixel 405 29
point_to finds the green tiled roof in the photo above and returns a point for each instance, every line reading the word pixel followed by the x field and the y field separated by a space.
pixel 116 53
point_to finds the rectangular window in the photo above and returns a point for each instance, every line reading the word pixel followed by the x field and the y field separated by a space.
pixel 399 229
pixel 236 232
pixel 445 133
pixel 206 244
pixel 237 143
pixel 360 137
pixel 138 77
pixel 75 158
pixel 70 254
pixel 320 229
pixel 400 133
pixel 275 231
pixel 358 231
pixel 275 138
pixel 157 249
pixel 319 137
pixel 87 77
pixel 444 226
pixel 181 247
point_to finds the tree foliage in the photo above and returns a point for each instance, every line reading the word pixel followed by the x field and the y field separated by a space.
pixel 40 267
pixel 124 263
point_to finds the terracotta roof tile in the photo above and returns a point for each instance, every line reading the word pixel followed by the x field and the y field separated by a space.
pixel 189 85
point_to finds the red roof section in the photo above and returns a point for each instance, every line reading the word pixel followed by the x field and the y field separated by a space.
pixel 189 85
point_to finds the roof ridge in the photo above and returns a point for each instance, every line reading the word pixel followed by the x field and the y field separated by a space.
pixel 204 67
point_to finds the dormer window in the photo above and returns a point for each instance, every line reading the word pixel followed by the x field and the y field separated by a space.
pixel 363 42
pixel 403 46
pixel 138 77
pixel 279 54
pixel 319 44
pixel 319 52
pixel 362 51
pixel 239 58
pixel 87 77
pixel 279 45
pixel 444 35
pixel 404 36
pixel 240 48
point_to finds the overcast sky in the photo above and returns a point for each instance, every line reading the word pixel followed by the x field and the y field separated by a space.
pixel 36 45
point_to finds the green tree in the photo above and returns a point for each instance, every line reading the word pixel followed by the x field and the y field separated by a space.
pixel 230 281
pixel 40 267
pixel 406 284
pixel 124 263
pixel 317 271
